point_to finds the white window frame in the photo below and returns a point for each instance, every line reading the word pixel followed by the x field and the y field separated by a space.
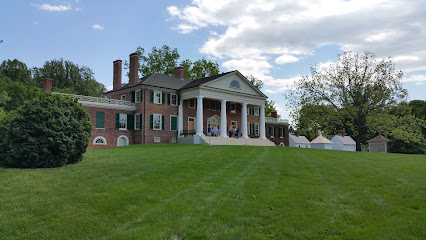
pixel 157 139
pixel 256 129
pixel 120 122
pixel 235 108
pixel 235 125
pixel 123 98
pixel 137 96
pixel 171 99
pixel 101 138
pixel 160 121
pixel 137 120
pixel 193 103
pixel 273 133
pixel 256 111
pixel 282 132
pixel 158 97
pixel 171 122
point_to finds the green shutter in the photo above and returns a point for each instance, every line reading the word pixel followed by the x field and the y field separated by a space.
pixel 133 96
pixel 100 119
pixel 140 121
pixel 275 132
pixel 152 96
pixel 280 131
pixel 173 124
pixel 168 98
pixel 178 98
pixel 151 121
pixel 141 94
pixel 162 122
pixel 130 121
pixel 117 121
pixel 163 96
pixel 270 131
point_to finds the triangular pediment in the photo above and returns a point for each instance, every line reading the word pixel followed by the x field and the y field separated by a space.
pixel 234 82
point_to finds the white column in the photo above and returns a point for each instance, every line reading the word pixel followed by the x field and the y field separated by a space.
pixel 200 116
pixel 262 122
pixel 244 121
pixel 180 117
pixel 223 126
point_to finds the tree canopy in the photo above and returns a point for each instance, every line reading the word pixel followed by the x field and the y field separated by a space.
pixel 269 105
pixel 351 90
pixel 67 75
pixel 165 60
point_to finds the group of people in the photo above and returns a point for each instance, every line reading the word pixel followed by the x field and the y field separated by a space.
pixel 232 131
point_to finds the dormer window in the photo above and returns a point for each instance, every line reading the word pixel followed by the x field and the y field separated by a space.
pixel 235 84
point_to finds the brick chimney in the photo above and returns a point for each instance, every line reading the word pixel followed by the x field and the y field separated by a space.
pixel 179 72
pixel 116 82
pixel 133 68
pixel 343 133
pixel 274 114
pixel 47 85
pixel 297 133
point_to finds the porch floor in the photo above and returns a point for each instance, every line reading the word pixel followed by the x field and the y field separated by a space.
pixel 235 141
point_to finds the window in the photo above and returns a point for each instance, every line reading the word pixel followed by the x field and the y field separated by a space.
pixel 100 120
pixel 256 111
pixel 158 97
pixel 207 104
pixel 233 108
pixel 123 122
pixel 235 84
pixel 138 121
pixel 157 139
pixel 138 96
pixel 191 103
pixel 157 122
pixel 234 124
pixel 213 105
pixel 173 123
pixel 123 97
pixel 99 141
pixel 281 132
pixel 256 129
pixel 173 99
pixel 271 131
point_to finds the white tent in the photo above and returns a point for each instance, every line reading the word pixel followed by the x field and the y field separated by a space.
pixel 344 143
pixel 298 141
pixel 322 143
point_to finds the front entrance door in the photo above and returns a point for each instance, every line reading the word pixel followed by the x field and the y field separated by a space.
pixel 191 124
pixel 212 122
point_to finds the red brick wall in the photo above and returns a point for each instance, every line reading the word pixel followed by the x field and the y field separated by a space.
pixel 109 132
pixel 277 140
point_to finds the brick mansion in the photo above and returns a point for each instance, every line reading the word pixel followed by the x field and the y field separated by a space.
pixel 159 108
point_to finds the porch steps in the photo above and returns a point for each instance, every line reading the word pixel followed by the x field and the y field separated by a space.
pixel 235 141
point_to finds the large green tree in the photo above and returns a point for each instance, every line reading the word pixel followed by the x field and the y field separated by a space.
pixel 419 110
pixel 17 71
pixel 165 60
pixel 67 75
pixel 356 87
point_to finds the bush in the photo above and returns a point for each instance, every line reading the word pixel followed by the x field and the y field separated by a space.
pixel 49 131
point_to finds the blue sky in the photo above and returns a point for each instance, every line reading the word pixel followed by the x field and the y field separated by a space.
pixel 275 41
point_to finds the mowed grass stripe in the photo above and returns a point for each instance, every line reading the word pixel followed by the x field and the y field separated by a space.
pixel 217 192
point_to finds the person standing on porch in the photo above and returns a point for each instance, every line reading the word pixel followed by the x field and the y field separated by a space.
pixel 209 131
pixel 238 132
pixel 215 131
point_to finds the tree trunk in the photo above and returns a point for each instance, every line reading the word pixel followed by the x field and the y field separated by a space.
pixel 358 142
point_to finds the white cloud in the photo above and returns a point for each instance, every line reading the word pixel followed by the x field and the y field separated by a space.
pixel 283 59
pixel 261 30
pixel 420 83
pixel 415 78
pixel 97 27
pixel 53 8
pixel 109 88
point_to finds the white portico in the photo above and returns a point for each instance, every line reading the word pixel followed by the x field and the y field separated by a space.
pixel 230 95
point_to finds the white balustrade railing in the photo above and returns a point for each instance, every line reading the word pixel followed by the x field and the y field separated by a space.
pixel 97 99
pixel 276 120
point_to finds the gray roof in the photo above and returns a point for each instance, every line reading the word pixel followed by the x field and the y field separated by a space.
pixel 345 140
pixel 158 80
pixel 300 139
pixel 320 139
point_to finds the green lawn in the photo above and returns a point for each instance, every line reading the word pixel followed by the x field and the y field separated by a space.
pixel 218 192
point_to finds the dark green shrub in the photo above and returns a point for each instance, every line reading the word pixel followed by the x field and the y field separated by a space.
pixel 49 131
